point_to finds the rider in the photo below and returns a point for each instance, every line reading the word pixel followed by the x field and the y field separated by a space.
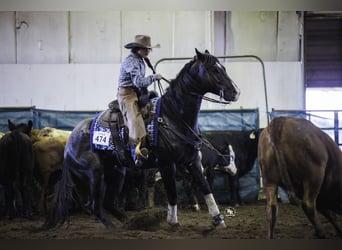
pixel 131 80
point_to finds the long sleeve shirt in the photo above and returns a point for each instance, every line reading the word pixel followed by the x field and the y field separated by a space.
pixel 132 73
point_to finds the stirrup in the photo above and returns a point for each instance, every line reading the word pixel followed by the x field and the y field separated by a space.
pixel 141 153
pixel 138 162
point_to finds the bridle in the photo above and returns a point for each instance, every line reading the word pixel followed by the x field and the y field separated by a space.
pixel 206 98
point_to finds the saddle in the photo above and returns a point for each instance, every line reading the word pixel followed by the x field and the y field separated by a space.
pixel 108 131
pixel 112 119
pixel 111 116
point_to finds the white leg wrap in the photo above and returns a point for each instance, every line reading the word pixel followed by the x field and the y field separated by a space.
pixel 211 203
pixel 172 214
pixel 214 212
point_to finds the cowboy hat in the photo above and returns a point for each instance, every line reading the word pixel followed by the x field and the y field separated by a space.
pixel 141 41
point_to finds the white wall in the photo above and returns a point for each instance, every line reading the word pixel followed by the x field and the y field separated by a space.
pixel 58 86
pixel 70 60
pixel 95 37
pixel 254 34
pixel 7 38
pixel 271 35
pixel 93 86
pixel 43 38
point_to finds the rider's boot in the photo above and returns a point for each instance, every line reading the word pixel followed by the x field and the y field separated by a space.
pixel 141 150
pixel 139 154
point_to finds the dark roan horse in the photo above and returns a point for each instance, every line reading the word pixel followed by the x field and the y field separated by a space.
pixel 88 175
pixel 16 169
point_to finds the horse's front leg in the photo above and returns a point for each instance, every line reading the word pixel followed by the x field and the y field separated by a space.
pixel 168 174
pixel 195 169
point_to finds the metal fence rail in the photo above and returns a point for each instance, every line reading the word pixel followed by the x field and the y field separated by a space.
pixel 330 121
pixel 227 57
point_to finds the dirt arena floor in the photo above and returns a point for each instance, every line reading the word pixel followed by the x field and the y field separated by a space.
pixel 249 222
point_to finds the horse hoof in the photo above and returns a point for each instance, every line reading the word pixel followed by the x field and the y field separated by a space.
pixel 222 224
pixel 174 226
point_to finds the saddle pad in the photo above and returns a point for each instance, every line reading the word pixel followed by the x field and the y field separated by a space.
pixel 100 137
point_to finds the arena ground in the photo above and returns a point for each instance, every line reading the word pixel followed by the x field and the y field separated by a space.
pixel 249 222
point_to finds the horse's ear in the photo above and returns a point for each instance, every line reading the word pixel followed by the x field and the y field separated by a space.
pixel 207 52
pixel 200 56
pixel 11 125
pixel 30 124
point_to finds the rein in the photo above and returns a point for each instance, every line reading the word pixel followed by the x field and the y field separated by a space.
pixel 149 64
pixel 180 135
pixel 198 137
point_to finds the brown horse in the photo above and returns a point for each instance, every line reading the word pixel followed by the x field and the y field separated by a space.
pixel 306 162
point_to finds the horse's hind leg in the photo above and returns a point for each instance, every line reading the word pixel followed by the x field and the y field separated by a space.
pixel 114 178
pixel 309 206
pixel 190 191
pixel 97 195
pixel 27 196
pixel 332 218
pixel 270 191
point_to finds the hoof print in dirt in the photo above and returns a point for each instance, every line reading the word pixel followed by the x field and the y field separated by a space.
pixel 148 220
pixel 210 231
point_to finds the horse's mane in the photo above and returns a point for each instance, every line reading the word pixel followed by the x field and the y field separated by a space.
pixel 176 81
pixel 182 84
pixel 208 59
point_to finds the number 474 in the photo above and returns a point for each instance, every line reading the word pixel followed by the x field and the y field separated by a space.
pixel 101 138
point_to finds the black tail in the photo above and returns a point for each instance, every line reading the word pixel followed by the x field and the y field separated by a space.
pixel 60 200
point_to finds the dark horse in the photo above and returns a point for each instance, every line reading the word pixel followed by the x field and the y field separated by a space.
pixel 176 143
pixel 16 168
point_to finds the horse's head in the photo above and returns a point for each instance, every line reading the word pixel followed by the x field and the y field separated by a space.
pixel 211 76
pixel 22 127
